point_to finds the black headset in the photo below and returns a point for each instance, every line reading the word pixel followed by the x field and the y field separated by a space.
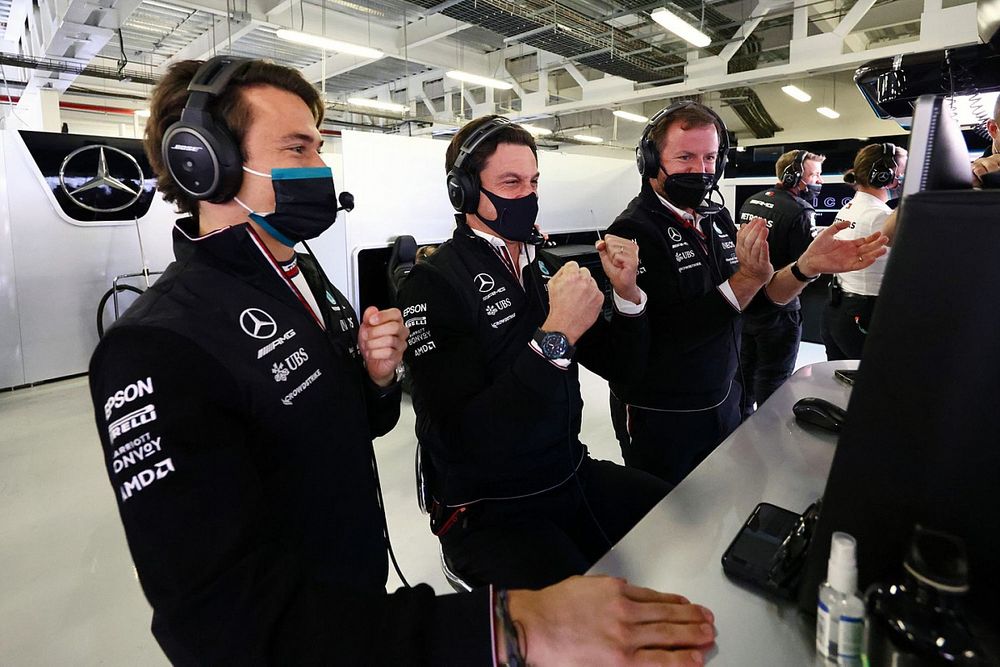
pixel 201 154
pixel 463 185
pixel 647 157
pixel 792 174
pixel 884 169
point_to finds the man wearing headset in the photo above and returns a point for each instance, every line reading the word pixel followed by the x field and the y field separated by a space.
pixel 495 335
pixel 236 403
pixel 700 273
pixel 772 331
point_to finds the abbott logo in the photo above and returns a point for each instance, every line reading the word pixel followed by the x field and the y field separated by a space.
pixel 257 324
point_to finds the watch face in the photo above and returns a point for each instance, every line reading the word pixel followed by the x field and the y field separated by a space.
pixel 554 345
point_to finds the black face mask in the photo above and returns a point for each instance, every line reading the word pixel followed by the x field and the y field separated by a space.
pixel 687 190
pixel 305 204
pixel 813 189
pixel 515 217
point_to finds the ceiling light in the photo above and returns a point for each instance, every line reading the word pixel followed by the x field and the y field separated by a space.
pixel 377 104
pixel 328 44
pixel 681 28
pixel 588 139
pixel 797 93
pixel 634 117
pixel 535 130
pixel 478 80
pixel 828 112
pixel 163 5
pixel 141 113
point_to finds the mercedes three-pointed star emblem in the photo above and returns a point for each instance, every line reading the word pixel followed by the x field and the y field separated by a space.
pixel 103 179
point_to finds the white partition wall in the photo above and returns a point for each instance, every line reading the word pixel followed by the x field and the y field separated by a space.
pixel 399 186
pixel 53 272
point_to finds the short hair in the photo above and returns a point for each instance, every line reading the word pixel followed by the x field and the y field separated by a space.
pixel 474 163
pixel 692 116
pixel 865 160
pixel 231 108
pixel 789 157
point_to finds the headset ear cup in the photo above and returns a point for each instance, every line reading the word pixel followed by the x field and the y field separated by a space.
pixel 463 191
pixel 204 161
pixel 647 160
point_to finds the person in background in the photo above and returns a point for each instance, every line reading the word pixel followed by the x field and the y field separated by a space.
pixel 771 331
pixel 236 404
pixel 700 273
pixel 878 177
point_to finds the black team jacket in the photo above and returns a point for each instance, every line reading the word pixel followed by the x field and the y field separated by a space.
pixel 497 419
pixel 790 221
pixel 237 437
pixel 695 329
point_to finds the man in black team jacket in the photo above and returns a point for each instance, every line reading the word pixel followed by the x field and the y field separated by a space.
pixel 236 403
pixel 495 334
pixel 772 331
pixel 699 273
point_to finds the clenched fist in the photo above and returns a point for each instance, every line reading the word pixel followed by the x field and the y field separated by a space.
pixel 382 339
pixel 620 259
pixel 575 302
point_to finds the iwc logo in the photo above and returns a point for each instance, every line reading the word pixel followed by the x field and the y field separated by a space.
pixel 101 192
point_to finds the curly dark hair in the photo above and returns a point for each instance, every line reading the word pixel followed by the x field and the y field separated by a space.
pixel 231 108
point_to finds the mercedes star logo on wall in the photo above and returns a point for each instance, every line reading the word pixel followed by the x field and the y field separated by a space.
pixel 103 192
pixel 258 324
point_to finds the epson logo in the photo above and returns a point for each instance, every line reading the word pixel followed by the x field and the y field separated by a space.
pixel 135 390
pixel 187 149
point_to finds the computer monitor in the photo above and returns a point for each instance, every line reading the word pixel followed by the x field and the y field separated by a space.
pixel 939 158
pixel 921 443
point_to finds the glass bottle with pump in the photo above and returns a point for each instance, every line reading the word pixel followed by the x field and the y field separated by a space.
pixel 840 613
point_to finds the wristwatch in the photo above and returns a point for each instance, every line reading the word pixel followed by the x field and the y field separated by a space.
pixel 801 277
pixel 554 345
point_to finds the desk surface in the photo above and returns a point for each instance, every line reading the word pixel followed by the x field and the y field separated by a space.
pixel 678 546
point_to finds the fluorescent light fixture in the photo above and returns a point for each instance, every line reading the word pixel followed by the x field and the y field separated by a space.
pixel 535 130
pixel 588 139
pixel 163 5
pixel 634 117
pixel 828 112
pixel 478 80
pixel 141 113
pixel 377 104
pixel 328 44
pixel 681 28
pixel 797 93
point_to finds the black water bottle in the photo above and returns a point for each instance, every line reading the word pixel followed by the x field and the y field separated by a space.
pixel 918 620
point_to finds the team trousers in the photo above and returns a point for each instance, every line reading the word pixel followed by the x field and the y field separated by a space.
pixel 540 540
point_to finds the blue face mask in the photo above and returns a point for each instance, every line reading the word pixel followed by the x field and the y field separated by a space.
pixel 305 203
pixel 896 192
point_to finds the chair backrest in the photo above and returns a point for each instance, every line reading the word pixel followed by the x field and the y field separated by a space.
pixel 401 261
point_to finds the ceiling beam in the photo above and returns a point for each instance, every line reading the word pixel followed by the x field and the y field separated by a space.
pixel 214 41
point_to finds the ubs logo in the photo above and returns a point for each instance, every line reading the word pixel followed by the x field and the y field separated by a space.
pixel 101 192
pixel 674 235
pixel 484 281
pixel 257 324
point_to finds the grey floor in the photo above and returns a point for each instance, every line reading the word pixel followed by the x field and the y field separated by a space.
pixel 68 590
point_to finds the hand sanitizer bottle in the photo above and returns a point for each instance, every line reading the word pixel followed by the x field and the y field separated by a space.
pixel 840 613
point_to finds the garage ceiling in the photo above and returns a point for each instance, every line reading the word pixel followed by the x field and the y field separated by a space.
pixel 564 57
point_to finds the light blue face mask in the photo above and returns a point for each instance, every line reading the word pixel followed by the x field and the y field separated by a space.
pixel 305 203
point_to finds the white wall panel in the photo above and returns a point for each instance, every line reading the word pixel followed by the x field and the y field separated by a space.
pixel 63 269
pixel 11 362
pixel 399 184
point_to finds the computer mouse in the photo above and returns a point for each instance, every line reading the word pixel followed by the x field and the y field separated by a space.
pixel 819 412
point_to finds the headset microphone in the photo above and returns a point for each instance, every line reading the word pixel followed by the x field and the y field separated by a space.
pixel 535 238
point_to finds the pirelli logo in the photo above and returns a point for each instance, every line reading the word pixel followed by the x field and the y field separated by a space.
pixel 131 421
